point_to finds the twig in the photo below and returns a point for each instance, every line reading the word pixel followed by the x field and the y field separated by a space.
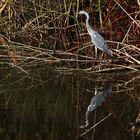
pixel 127 13
pixel 137 61
pixel 96 124
pixel 117 67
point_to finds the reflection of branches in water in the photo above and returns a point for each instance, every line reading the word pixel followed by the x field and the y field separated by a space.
pixel 129 81
pixel 96 124
pixel 136 125
pixel 128 85
pixel 96 101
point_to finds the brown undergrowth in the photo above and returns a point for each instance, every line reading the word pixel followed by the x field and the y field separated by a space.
pixel 49 33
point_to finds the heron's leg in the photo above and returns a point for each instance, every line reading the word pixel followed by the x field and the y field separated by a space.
pixel 95 59
pixel 95 52
pixel 102 56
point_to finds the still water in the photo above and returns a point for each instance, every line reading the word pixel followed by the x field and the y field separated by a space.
pixel 47 105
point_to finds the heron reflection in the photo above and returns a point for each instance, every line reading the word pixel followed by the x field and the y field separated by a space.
pixel 97 101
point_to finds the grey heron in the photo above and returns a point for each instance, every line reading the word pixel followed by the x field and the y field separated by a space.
pixel 96 38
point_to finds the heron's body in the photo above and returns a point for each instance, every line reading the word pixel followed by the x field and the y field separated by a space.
pixel 96 38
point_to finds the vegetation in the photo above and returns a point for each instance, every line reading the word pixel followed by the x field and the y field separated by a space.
pixel 36 33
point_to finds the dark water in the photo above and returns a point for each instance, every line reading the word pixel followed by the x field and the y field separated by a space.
pixel 44 105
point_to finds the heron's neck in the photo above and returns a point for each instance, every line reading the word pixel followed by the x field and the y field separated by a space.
pixel 89 29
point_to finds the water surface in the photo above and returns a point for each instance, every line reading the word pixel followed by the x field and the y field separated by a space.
pixel 52 106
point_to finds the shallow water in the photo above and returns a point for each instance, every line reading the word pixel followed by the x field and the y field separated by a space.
pixel 52 106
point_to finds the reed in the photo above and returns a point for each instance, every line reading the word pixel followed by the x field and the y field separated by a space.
pixel 34 33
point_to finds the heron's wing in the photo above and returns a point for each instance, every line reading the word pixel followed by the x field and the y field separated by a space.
pixel 100 42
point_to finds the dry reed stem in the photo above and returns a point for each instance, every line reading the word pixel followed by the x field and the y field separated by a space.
pixel 59 22
pixel 135 21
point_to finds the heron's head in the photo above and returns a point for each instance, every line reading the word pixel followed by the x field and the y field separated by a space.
pixel 83 12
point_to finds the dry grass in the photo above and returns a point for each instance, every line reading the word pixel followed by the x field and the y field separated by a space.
pixel 40 33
